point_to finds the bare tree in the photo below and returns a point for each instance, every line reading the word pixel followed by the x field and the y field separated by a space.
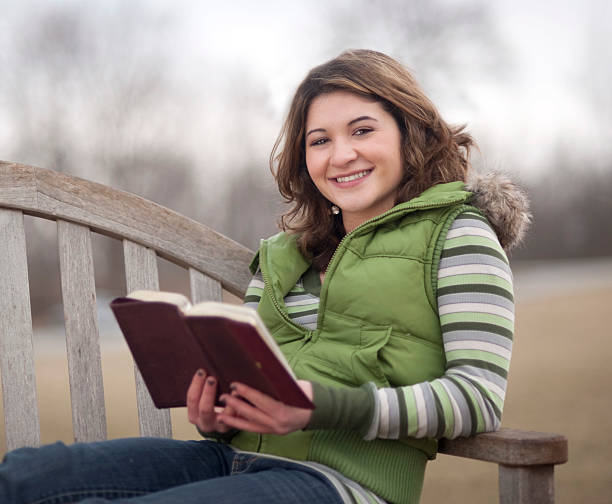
pixel 87 90
pixel 78 84
pixel 571 212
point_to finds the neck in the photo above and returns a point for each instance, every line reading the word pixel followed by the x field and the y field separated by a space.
pixel 350 222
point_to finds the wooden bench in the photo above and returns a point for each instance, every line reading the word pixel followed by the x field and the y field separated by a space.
pixel 526 459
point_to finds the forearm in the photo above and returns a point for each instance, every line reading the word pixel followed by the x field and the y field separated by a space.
pixel 353 408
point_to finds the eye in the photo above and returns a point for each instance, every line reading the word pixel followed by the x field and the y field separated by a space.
pixel 319 141
pixel 362 131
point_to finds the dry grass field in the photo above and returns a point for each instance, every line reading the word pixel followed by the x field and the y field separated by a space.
pixel 559 382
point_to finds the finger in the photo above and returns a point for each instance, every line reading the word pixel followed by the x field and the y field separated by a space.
pixel 245 410
pixel 206 415
pixel 228 411
pixel 207 399
pixel 260 400
pixel 193 395
pixel 245 424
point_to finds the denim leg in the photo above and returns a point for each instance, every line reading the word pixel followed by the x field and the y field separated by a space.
pixel 156 471
pixel 254 480
pixel 58 474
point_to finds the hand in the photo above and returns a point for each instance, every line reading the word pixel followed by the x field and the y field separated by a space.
pixel 254 411
pixel 201 409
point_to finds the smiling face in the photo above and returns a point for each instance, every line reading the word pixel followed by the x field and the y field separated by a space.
pixel 353 155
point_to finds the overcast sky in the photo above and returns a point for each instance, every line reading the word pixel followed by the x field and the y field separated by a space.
pixel 552 93
pixel 559 53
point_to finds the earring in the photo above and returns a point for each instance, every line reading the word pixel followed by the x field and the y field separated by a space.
pixel 335 210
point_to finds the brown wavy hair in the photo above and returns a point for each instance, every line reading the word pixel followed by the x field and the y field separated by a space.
pixel 433 152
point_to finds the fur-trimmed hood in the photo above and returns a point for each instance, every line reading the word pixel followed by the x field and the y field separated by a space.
pixel 504 203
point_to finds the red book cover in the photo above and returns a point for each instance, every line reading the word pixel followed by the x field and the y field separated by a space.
pixel 169 346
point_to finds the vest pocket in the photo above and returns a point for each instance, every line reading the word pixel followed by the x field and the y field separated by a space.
pixel 322 370
pixel 365 360
pixel 345 355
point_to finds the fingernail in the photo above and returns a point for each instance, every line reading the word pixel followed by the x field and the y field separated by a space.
pixel 200 372
pixel 222 400
pixel 232 386
pixel 211 381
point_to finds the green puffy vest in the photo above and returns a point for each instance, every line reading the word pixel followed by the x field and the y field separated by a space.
pixel 377 322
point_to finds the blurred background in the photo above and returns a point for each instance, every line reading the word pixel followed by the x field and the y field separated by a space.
pixel 181 102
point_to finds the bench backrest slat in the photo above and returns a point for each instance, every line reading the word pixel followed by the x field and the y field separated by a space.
pixel 204 288
pixel 82 334
pixel 141 273
pixel 16 346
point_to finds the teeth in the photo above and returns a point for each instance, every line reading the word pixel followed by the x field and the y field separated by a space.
pixel 353 177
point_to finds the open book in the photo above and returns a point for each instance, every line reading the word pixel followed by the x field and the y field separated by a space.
pixel 170 340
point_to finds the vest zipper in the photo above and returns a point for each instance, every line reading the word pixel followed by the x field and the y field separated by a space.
pixel 268 288
pixel 307 335
pixel 347 236
pixel 323 297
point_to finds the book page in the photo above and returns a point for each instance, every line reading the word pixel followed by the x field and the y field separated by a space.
pixel 232 311
pixel 160 296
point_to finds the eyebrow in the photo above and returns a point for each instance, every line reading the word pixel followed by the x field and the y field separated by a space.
pixel 350 123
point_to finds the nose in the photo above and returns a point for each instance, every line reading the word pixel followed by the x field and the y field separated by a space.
pixel 342 153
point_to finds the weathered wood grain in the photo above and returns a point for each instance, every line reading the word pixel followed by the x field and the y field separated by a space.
pixel 204 288
pixel 120 214
pixel 511 447
pixel 141 273
pixel 526 485
pixel 82 335
pixel 16 347
pixel 17 187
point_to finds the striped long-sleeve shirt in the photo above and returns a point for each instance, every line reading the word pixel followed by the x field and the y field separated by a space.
pixel 476 308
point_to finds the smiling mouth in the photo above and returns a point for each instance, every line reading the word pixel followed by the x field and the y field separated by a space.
pixel 354 176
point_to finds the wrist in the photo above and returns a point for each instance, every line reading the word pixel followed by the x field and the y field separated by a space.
pixel 350 408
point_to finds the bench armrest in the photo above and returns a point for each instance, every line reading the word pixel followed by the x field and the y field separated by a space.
pixel 511 447
pixel 526 461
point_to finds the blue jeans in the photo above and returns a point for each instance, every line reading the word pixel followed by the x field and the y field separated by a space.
pixel 152 470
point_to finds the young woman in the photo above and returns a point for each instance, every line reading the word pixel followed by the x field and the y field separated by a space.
pixel 390 293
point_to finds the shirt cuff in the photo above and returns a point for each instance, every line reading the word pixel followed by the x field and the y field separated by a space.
pixel 346 408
